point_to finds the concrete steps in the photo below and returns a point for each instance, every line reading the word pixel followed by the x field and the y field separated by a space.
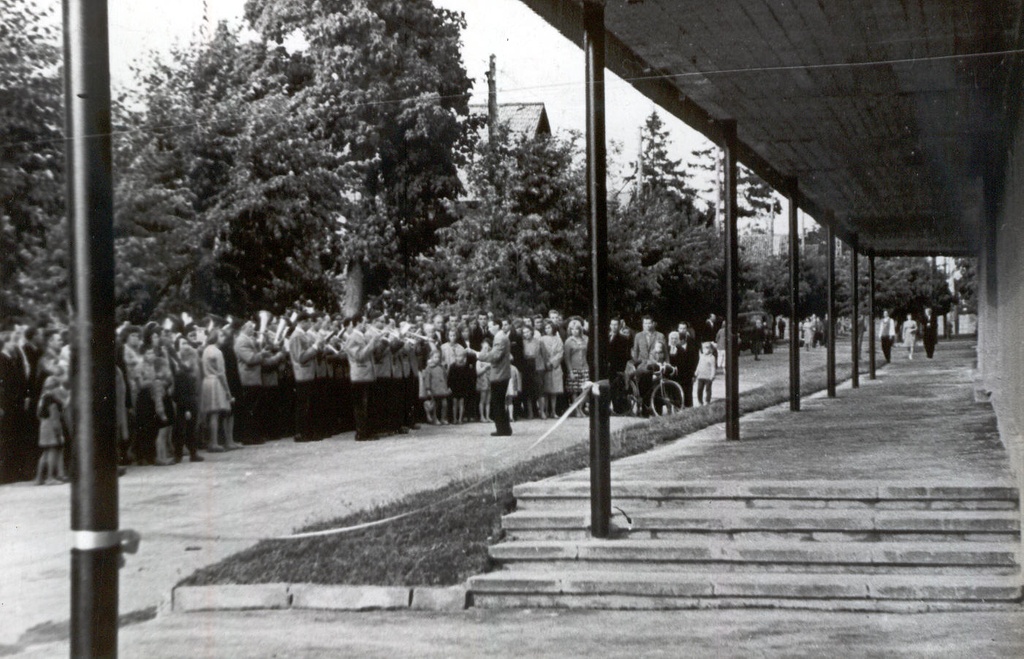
pixel 826 545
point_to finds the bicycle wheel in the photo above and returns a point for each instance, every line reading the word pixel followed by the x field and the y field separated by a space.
pixel 633 399
pixel 667 398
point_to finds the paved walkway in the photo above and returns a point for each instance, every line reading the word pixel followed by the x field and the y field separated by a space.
pixel 917 422
pixel 192 515
pixel 195 514
pixel 547 633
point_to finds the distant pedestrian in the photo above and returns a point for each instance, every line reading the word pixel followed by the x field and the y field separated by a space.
pixel 929 332
pixel 705 373
pixel 887 332
pixel 909 335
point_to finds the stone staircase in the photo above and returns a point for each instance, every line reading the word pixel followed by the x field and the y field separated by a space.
pixel 863 546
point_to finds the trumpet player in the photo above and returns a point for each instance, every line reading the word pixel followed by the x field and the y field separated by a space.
pixel 250 356
pixel 303 349
pixel 360 348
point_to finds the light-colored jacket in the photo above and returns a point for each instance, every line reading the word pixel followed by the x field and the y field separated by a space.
pixel 499 357
pixel 359 349
pixel 250 361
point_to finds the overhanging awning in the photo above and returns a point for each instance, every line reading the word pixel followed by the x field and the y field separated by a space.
pixel 887 112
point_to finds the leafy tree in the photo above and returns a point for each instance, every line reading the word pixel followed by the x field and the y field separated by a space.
pixel 522 245
pixel 33 235
pixel 678 251
pixel 967 284
pixel 389 93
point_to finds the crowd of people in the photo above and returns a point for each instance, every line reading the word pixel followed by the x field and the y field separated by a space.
pixel 219 384
pixel 184 386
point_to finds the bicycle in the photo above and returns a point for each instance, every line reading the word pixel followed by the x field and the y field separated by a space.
pixel 625 395
pixel 666 396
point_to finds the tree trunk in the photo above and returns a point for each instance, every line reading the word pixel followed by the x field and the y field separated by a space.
pixel 355 291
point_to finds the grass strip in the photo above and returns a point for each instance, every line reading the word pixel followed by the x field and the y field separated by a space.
pixel 447 543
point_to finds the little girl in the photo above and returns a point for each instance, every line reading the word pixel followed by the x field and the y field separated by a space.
pixel 51 434
pixel 461 382
pixel 705 373
pixel 434 390
pixel 483 385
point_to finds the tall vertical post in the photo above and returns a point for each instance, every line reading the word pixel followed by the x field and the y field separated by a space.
pixel 794 298
pixel 597 203
pixel 871 315
pixel 732 296
pixel 94 516
pixel 854 315
pixel 830 328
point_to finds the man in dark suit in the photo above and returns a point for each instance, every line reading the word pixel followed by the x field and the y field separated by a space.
pixel 618 347
pixel 930 331
pixel 499 357
pixel 684 356
pixel 14 396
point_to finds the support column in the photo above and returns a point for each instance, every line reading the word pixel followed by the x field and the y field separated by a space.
pixel 794 298
pixel 597 203
pixel 854 314
pixel 830 349
pixel 871 316
pixel 732 294
pixel 96 545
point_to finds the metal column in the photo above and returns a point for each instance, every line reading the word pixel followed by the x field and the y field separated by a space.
pixel 854 315
pixel 597 203
pixel 871 314
pixel 830 328
pixel 94 515
pixel 732 277
pixel 794 298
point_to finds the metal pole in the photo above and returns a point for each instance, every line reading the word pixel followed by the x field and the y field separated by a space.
pixel 854 314
pixel 732 297
pixel 871 314
pixel 94 510
pixel 597 203
pixel 830 348
pixel 794 299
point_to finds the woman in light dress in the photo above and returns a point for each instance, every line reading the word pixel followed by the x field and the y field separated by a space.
pixel 214 399
pixel 553 384
pixel 909 335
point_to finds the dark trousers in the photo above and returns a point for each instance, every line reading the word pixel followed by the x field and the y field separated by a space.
pixel 303 410
pixel 184 434
pixel 887 342
pixel 702 387
pixel 687 384
pixel 499 413
pixel 247 429
pixel 360 408
pixel 929 347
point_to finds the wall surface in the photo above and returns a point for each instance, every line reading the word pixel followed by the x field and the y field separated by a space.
pixel 1001 305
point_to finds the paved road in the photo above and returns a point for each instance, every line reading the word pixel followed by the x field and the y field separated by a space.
pixel 191 515
pixel 526 633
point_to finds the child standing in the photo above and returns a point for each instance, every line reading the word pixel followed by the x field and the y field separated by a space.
pixel 483 385
pixel 51 433
pixel 705 373
pixel 434 390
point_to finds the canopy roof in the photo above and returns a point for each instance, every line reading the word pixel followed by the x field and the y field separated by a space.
pixel 886 112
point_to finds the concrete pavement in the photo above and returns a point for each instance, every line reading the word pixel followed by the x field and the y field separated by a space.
pixel 191 515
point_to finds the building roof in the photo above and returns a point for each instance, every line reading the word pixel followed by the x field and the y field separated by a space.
pixel 521 119
pixel 885 112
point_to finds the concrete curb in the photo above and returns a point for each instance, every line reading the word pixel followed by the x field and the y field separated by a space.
pixel 232 597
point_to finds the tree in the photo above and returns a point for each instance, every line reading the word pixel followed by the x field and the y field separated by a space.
pixel 522 244
pixel 678 251
pixel 389 93
pixel 33 234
